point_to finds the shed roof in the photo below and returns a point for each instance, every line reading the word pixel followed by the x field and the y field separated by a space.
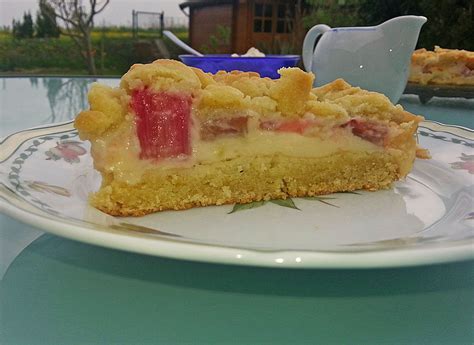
pixel 203 3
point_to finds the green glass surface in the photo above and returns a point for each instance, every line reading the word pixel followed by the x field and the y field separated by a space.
pixel 30 102
pixel 453 111
pixel 58 291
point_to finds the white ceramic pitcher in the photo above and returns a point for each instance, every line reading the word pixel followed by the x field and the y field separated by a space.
pixel 375 58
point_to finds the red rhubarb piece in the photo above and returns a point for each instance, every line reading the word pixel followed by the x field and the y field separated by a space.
pixel 368 130
pixel 163 123
pixel 214 128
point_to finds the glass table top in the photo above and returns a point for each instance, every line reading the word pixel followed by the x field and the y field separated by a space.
pixel 57 291
pixel 39 101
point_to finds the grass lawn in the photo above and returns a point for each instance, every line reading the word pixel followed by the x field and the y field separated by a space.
pixel 115 51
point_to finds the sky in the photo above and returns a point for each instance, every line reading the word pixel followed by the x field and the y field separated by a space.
pixel 117 12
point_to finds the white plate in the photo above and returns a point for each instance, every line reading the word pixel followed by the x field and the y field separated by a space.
pixel 46 174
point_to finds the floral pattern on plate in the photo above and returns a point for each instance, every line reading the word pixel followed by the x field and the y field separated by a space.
pixel 45 179
pixel 69 150
pixel 466 163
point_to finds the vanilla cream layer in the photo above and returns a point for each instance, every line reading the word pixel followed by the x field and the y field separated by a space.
pixel 126 166
pixel 264 143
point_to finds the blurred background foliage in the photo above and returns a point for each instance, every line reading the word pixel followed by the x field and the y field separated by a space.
pixel 450 22
pixel 35 45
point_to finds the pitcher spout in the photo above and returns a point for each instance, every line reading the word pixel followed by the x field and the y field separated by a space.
pixel 414 23
pixel 402 34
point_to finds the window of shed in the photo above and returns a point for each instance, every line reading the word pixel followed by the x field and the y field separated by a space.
pixel 285 17
pixel 263 17
pixel 268 10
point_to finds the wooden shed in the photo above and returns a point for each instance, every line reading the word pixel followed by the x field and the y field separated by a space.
pixel 233 26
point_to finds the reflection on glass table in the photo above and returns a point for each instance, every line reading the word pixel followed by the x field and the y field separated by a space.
pixel 39 101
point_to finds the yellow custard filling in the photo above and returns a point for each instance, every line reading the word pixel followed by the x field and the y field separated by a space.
pixel 265 143
pixel 119 154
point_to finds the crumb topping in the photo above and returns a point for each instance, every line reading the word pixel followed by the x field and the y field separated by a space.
pixel 221 94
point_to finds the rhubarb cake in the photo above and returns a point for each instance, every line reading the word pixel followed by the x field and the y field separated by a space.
pixel 442 67
pixel 174 137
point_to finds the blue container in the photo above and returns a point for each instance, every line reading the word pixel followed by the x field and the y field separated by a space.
pixel 266 66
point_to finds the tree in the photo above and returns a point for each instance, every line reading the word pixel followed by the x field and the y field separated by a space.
pixel 78 22
pixel 23 29
pixel 16 28
pixel 27 26
pixel 46 25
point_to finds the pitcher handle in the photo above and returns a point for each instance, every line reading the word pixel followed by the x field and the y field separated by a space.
pixel 308 44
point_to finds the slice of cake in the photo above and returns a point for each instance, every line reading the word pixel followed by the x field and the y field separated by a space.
pixel 173 137
pixel 442 67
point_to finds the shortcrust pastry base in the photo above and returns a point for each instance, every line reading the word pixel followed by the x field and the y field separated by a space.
pixel 240 180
